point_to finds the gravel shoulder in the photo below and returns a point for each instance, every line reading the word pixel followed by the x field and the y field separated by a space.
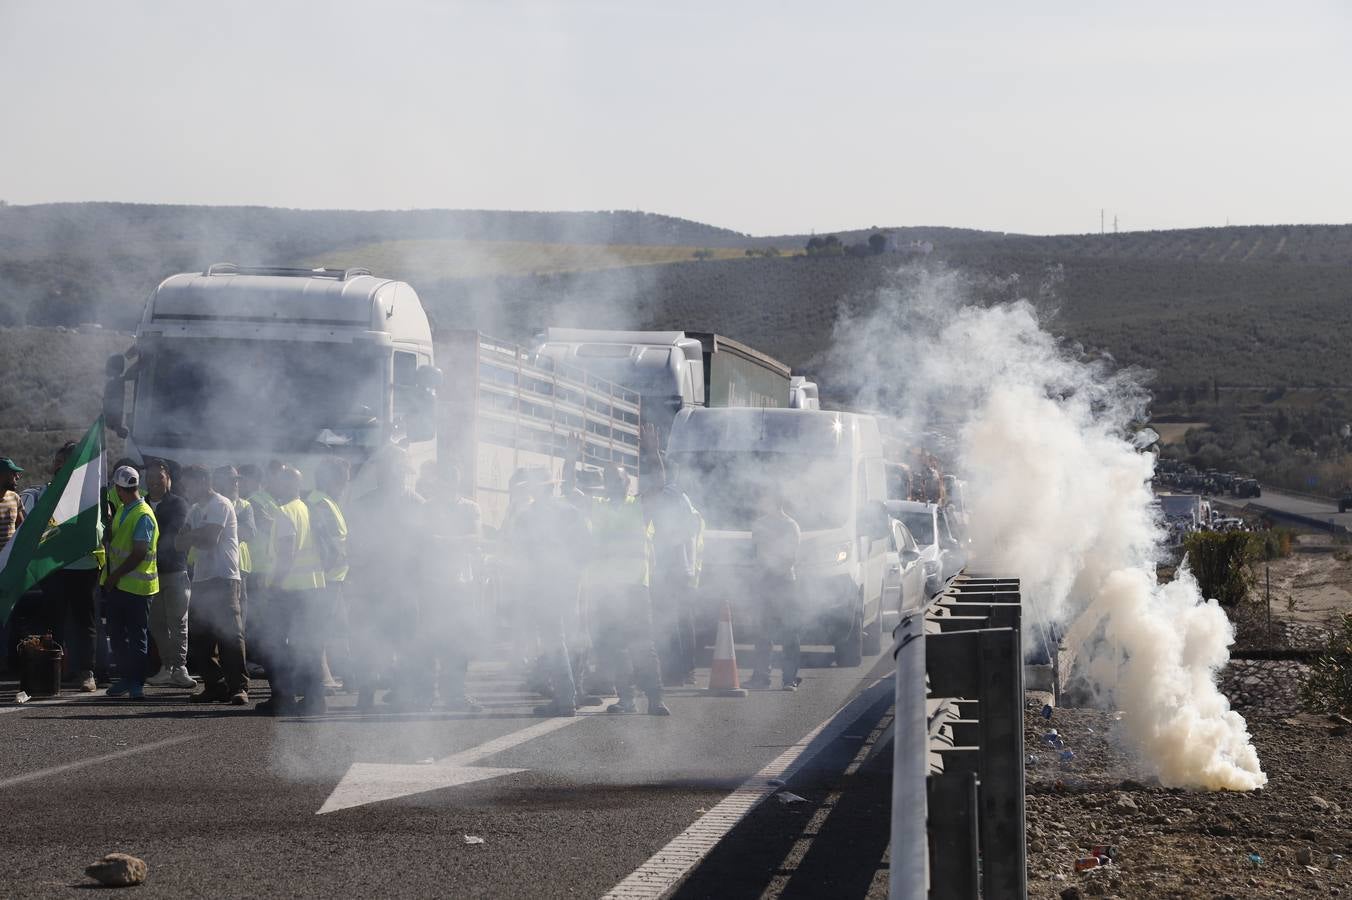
pixel 1176 843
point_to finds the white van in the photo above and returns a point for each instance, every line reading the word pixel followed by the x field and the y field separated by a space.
pixel 828 466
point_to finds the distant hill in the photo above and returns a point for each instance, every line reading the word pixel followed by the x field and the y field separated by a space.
pixel 1260 305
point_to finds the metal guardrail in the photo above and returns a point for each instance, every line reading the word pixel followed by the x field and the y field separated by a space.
pixel 958 764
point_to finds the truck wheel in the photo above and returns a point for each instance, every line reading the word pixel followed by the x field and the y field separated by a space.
pixel 850 647
pixel 873 635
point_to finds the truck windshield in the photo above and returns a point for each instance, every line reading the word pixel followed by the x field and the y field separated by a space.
pixel 921 526
pixel 259 394
pixel 650 373
pixel 729 488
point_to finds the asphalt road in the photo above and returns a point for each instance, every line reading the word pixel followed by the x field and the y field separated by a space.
pixel 1323 510
pixel 223 803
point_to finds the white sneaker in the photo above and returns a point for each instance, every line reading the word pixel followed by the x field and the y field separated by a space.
pixel 161 678
pixel 179 677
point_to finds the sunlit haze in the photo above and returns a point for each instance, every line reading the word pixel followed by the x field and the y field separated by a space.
pixel 762 117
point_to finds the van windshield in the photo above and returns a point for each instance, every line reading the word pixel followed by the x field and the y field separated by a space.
pixel 259 394
pixel 729 489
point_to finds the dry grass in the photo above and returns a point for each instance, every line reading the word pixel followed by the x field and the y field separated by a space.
pixel 423 259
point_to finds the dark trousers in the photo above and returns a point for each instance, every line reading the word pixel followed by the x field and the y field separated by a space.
pixel 68 605
pixel 624 639
pixel 440 654
pixel 128 617
pixel 780 624
pixel 292 642
pixel 216 635
pixel 674 615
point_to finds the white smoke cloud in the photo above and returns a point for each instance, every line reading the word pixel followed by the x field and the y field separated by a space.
pixel 1059 497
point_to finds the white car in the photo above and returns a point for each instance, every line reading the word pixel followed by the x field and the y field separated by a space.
pixel 941 554
pixel 904 575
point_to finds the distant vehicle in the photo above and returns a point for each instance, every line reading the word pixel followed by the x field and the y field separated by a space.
pixel 828 468
pixel 803 393
pixel 904 577
pixel 1345 501
pixel 941 554
pixel 1248 487
pixel 1189 511
pixel 673 370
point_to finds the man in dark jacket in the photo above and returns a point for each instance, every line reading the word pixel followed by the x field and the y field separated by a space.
pixel 169 611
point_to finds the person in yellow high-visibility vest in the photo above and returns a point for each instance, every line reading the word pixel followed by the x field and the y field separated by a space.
pixel 264 510
pixel 617 585
pixel 130 582
pixel 330 531
pixel 294 631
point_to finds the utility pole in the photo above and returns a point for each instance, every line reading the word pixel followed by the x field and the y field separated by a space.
pixel 1100 220
pixel 1114 223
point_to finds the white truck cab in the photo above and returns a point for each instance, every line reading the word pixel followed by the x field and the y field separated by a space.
pixel 238 364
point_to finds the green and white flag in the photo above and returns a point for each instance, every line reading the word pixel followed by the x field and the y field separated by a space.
pixel 65 526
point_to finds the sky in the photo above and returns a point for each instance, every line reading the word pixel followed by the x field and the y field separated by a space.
pixel 767 118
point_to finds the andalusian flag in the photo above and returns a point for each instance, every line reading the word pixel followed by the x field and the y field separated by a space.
pixel 65 526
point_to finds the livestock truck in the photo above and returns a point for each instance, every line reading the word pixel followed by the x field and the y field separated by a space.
pixel 238 364
pixel 673 370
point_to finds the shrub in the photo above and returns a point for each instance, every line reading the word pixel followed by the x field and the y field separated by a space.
pixel 1329 685
pixel 1219 562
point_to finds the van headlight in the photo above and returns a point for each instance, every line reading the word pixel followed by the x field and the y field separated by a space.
pixel 835 555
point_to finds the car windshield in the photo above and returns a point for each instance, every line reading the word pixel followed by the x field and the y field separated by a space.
pixel 258 394
pixel 921 526
pixel 729 488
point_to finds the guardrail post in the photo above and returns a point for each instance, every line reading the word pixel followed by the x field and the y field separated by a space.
pixel 986 666
pixel 953 835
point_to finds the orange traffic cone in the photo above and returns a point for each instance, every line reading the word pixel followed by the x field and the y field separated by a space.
pixel 723 681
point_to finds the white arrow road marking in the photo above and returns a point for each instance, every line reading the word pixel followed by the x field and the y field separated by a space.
pixel 373 782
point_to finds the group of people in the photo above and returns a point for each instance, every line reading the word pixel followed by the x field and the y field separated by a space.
pixel 240 573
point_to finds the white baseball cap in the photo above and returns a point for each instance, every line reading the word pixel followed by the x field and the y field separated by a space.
pixel 126 477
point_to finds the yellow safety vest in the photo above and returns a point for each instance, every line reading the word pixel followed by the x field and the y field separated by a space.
pixel 338 571
pixel 144 580
pixel 266 512
pixel 623 539
pixel 307 569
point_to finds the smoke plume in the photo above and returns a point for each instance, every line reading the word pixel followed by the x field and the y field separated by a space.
pixel 1058 496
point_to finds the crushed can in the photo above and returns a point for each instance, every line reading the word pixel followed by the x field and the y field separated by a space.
pixel 1087 862
pixel 1067 755
pixel 1047 711
pixel 1104 850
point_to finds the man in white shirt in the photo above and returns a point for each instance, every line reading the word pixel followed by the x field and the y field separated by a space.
pixel 216 633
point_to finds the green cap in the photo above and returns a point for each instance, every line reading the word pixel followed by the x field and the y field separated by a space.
pixel 8 465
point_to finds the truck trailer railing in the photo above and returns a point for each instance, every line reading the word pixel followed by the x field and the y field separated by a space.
pixel 534 406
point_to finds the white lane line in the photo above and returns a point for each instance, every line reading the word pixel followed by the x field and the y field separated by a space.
pixel 365 783
pixel 669 866
pixel 107 757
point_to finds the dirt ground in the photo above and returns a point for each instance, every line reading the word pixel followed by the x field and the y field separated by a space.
pixel 1174 843
pixel 1314 584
